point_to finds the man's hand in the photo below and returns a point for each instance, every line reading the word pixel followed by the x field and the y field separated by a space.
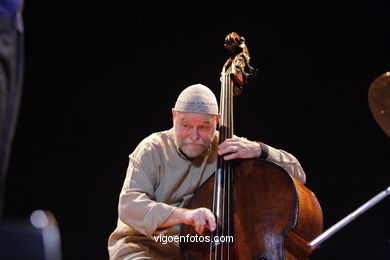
pixel 238 147
pixel 200 218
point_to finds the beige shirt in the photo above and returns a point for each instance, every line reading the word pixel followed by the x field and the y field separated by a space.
pixel 158 180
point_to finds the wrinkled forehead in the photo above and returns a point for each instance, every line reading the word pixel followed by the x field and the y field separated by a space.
pixel 195 117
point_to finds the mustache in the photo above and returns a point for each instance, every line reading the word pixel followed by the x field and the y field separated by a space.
pixel 189 141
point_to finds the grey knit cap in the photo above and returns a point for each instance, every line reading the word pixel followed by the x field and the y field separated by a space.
pixel 197 99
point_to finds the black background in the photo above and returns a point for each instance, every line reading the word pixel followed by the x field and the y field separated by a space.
pixel 99 77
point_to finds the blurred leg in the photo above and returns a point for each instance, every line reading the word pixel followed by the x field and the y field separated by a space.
pixel 11 73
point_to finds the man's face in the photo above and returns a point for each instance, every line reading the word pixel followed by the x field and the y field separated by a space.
pixel 194 132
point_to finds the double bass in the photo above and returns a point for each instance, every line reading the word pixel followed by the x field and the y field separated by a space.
pixel 261 211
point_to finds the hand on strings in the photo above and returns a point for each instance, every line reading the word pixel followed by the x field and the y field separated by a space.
pixel 238 147
pixel 200 218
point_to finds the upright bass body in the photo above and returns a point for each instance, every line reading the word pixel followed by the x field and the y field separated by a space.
pixel 275 216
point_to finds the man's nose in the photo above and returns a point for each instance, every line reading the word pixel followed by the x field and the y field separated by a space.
pixel 194 134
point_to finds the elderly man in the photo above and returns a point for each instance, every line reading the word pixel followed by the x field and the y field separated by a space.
pixel 167 168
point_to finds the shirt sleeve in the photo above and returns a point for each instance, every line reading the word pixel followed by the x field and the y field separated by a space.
pixel 137 206
pixel 288 162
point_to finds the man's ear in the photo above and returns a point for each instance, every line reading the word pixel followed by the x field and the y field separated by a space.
pixel 173 114
pixel 217 118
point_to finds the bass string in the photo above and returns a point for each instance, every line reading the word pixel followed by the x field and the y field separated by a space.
pixel 225 173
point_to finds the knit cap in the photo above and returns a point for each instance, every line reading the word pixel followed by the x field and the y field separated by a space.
pixel 197 99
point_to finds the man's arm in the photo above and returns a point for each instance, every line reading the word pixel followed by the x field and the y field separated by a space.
pixel 243 148
pixel 138 209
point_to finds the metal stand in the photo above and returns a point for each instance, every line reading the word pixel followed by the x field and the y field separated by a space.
pixel 336 227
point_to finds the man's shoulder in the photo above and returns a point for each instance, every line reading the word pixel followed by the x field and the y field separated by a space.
pixel 158 138
pixel 154 142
